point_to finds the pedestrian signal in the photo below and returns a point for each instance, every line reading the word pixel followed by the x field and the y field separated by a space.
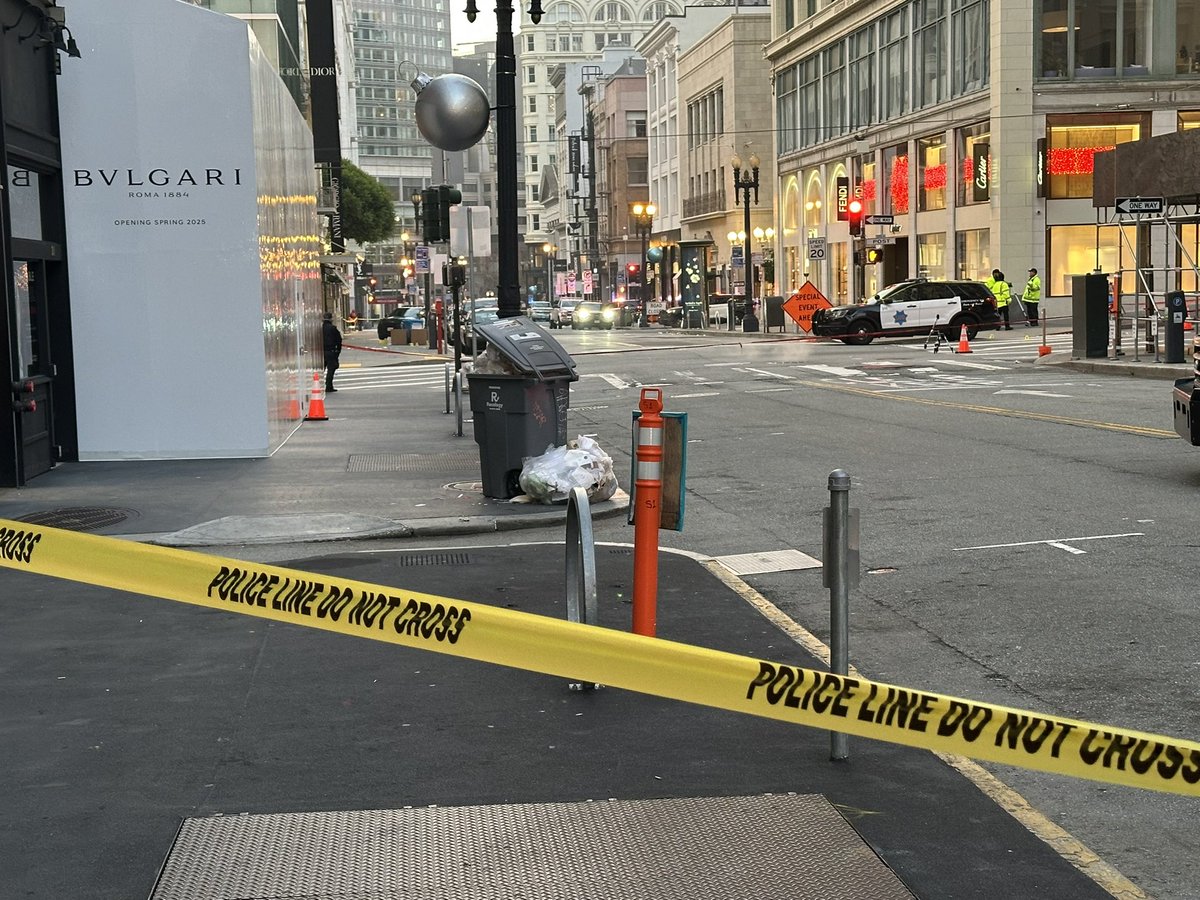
pixel 874 255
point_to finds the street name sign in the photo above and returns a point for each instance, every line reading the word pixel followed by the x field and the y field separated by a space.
pixel 803 303
pixel 880 220
pixel 881 240
pixel 1141 205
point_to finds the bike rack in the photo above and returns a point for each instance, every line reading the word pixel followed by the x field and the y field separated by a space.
pixel 581 568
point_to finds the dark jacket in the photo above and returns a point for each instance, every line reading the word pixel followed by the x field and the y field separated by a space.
pixel 332 338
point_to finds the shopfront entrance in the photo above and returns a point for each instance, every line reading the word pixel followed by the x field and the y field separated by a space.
pixel 33 389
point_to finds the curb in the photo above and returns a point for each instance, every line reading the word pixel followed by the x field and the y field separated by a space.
pixel 1163 371
pixel 245 531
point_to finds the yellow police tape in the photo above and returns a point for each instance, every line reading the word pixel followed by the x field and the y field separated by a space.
pixel 581 652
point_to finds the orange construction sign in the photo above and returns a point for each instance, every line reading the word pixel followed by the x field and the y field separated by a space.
pixel 803 303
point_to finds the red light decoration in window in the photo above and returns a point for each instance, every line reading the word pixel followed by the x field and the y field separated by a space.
pixel 868 190
pixel 1073 160
pixel 935 177
pixel 898 187
pixel 968 170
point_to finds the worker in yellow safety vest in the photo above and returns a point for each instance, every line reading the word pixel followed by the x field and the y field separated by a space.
pixel 1003 294
pixel 1032 297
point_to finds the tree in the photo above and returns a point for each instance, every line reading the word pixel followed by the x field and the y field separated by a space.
pixel 367 212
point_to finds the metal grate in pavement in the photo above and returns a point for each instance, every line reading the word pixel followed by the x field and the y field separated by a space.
pixel 82 518
pixel 407 560
pixel 412 462
pixel 769 561
pixel 722 848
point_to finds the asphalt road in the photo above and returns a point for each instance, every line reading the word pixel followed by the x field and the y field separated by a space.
pixel 1027 531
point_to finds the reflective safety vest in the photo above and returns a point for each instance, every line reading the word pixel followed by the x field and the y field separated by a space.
pixel 1000 290
pixel 1033 290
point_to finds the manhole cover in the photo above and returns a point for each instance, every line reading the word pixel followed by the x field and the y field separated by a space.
pixel 81 518
pixel 475 487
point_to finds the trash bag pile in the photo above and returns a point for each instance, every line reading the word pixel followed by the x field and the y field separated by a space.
pixel 550 477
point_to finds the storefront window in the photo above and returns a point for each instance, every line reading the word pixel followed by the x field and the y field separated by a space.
pixel 931 176
pixel 931 256
pixel 973 251
pixel 812 201
pixel 867 183
pixel 975 170
pixel 1080 249
pixel 895 169
pixel 838 267
pixel 1072 143
pixel 1189 120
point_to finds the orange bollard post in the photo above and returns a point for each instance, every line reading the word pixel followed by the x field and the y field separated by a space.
pixel 647 515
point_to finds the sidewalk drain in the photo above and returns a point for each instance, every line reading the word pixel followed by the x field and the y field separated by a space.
pixel 82 518
pixel 411 462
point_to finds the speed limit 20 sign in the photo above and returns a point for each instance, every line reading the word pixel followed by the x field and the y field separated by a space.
pixel 816 248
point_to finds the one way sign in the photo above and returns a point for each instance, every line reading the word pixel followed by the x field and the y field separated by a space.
pixel 1140 205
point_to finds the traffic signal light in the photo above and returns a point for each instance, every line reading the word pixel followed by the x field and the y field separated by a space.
pixel 447 197
pixel 431 215
pixel 854 215
pixel 633 270
pixel 874 255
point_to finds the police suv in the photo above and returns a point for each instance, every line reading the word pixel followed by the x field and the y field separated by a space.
pixel 912 307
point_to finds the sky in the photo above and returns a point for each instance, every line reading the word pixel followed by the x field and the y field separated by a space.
pixel 484 28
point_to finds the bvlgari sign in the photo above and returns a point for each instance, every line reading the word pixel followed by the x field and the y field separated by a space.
pixel 157 178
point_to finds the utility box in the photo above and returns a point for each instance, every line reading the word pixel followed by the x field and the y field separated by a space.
pixel 1089 316
pixel 521 414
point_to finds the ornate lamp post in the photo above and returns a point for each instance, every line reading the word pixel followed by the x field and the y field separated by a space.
pixel 643 217
pixel 509 292
pixel 551 253
pixel 743 184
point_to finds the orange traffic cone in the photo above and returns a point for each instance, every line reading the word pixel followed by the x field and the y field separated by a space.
pixel 964 345
pixel 316 406
pixel 293 404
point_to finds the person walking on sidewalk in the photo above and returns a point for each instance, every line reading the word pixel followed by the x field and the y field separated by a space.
pixel 1031 297
pixel 333 350
pixel 1003 294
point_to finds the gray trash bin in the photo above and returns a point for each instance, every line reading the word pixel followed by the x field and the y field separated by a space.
pixel 520 415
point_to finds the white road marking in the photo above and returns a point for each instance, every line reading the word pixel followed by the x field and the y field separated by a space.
pixel 770 374
pixel 1058 543
pixel 833 370
pixel 618 383
pixel 973 365
pixel 702 394
pixel 769 390
pixel 1036 394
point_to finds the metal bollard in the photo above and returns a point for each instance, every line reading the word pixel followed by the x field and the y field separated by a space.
pixel 840 567
pixel 581 568
pixel 447 381
pixel 458 398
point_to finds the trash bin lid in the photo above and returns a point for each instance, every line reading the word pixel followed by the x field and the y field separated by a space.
pixel 529 347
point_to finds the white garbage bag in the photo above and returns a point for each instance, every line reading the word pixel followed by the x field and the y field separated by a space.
pixel 580 463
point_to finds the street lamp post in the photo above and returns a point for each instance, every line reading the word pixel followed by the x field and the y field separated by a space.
pixel 643 217
pixel 743 184
pixel 551 253
pixel 509 288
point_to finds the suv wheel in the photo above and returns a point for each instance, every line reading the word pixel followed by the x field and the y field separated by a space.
pixel 956 325
pixel 860 333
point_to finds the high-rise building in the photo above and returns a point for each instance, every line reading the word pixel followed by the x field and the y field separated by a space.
pixel 393 41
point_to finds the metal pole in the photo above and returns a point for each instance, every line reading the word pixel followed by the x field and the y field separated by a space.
pixel 458 401
pixel 644 228
pixel 509 289
pixel 837 558
pixel 447 381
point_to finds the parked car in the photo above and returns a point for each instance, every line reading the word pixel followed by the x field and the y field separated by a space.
pixel 401 317
pixel 484 315
pixel 912 308
pixel 627 312
pixel 590 314
pixel 539 311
